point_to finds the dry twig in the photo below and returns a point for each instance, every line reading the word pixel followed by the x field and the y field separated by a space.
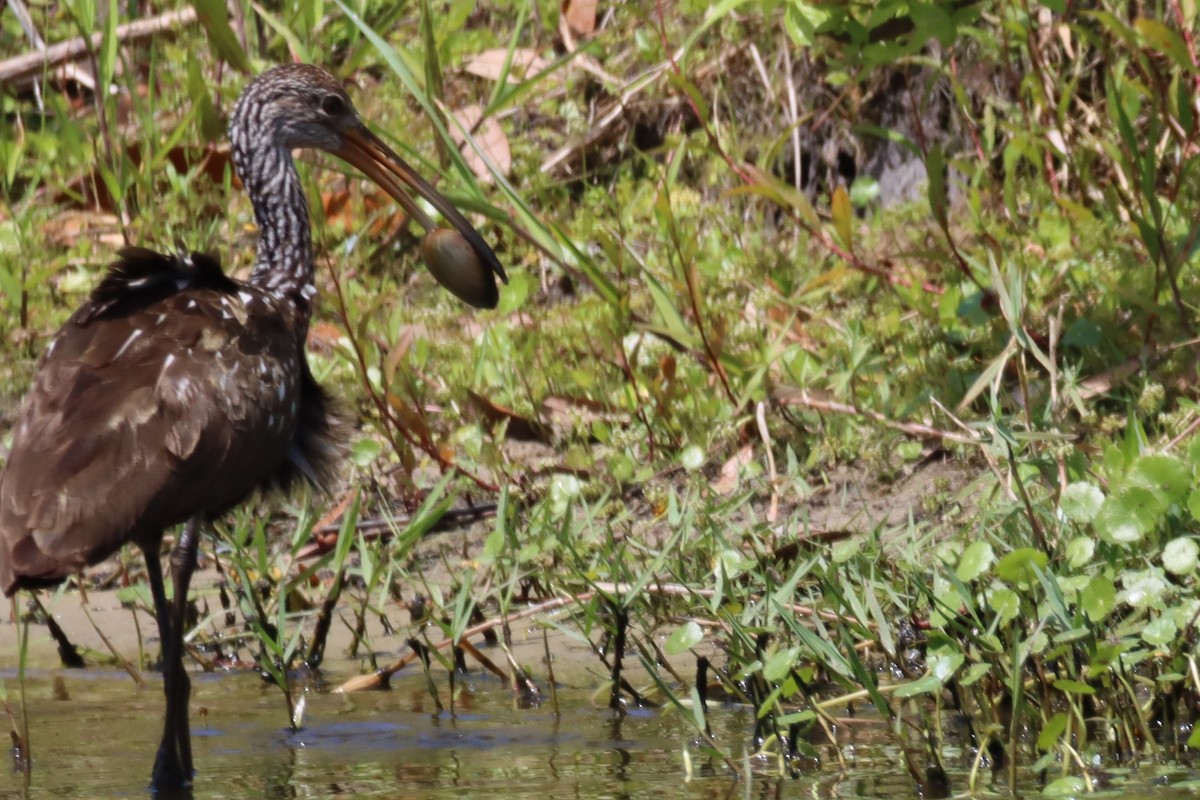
pixel 28 65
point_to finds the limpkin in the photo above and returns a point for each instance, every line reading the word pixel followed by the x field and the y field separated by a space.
pixel 177 391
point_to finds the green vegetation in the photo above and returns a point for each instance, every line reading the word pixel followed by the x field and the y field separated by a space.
pixel 723 362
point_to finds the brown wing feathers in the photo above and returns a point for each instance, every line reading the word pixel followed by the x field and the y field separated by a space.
pixel 164 396
pixel 143 276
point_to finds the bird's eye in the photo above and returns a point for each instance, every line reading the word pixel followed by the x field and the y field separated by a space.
pixel 333 105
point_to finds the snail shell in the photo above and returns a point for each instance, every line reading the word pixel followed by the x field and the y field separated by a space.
pixel 457 267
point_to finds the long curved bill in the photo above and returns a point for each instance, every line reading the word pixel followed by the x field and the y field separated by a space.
pixel 367 152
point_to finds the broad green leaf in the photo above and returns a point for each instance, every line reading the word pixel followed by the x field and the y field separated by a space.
pixel 1069 786
pixel 684 638
pixel 780 664
pixel 864 190
pixel 1098 598
pixel 1128 516
pixel 975 561
pixel 1180 555
pixel 1166 40
pixel 1167 476
pixel 974 673
pixel 933 21
pixel 802 19
pixel 1006 603
pixel 925 685
pixel 214 16
pixel 1081 501
pixel 845 550
pixel 1193 504
pixel 1080 550
pixel 945 663
pixel 1143 588
pixel 1054 728
pixel 1193 452
pixel 1160 631
pixel 364 451
pixel 1018 565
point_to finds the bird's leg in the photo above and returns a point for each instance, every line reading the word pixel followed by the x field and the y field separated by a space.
pixel 173 766
pixel 183 564
pixel 167 769
pixel 162 612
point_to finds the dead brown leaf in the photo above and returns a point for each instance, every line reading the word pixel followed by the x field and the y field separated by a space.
pixel 580 16
pixel 490 64
pixel 408 417
pixel 68 226
pixel 363 683
pixel 344 214
pixel 728 479
pixel 567 410
pixel 519 427
pixel 324 336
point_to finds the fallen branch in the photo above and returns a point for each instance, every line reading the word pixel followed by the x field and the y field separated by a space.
pixel 380 678
pixel 787 396
pixel 325 536
pixel 28 65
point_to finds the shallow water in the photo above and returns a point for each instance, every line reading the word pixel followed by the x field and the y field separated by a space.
pixel 93 734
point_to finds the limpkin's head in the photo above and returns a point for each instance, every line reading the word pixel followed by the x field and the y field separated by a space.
pixel 302 106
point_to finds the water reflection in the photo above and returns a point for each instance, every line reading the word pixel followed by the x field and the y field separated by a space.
pixel 92 735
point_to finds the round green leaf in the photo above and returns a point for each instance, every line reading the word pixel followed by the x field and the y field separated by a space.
pixel 1080 550
pixel 1080 501
pixel 1099 598
pixel 1069 786
pixel 845 550
pixel 1160 631
pixel 1180 555
pixel 1006 603
pixel 1193 451
pixel 1018 565
pixel 864 190
pixel 1126 517
pixel 975 561
pixel 364 451
pixel 1143 588
pixel 944 664
pixel 1168 477
pixel 1193 504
